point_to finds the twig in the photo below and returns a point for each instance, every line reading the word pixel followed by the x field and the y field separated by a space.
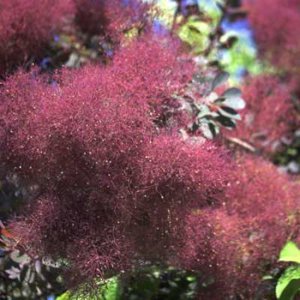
pixel 242 144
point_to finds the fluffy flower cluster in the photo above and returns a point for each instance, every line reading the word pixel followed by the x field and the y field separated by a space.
pixel 114 190
pixel 268 116
pixel 238 244
pixel 26 27
pixel 112 17
pixel 90 16
pixel 278 40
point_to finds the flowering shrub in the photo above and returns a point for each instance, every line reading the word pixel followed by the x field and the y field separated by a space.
pixel 109 17
pixel 122 172
pixel 26 27
pixel 243 238
pixel 90 16
pixel 90 144
pixel 268 116
pixel 278 41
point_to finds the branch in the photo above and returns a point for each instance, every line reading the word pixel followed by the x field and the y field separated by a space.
pixel 242 144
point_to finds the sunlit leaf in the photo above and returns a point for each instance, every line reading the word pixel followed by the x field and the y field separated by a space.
pixel 235 103
pixel 290 252
pixel 108 290
pixel 288 284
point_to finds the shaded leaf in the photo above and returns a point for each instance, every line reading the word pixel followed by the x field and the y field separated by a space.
pixel 227 122
pixel 194 29
pixel 204 111
pixel 229 113
pixel 232 93
pixel 18 258
pixel 213 128
pixel 219 80
pixel 229 110
pixel 209 129
pixel 13 273
pixel 206 131
pixel 38 266
pixel 219 101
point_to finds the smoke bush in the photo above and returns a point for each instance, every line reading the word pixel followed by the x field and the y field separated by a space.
pixel 117 187
pixel 243 238
pixel 278 41
pixel 112 17
pixel 90 16
pixel 113 188
pixel 26 27
pixel 268 116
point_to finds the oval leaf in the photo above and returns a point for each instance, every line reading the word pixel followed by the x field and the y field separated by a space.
pixel 290 252
pixel 219 101
pixel 288 284
pixel 229 110
pixel 232 93
pixel 219 80
pixel 227 122
pixel 235 103
pixel 229 113
pixel 209 129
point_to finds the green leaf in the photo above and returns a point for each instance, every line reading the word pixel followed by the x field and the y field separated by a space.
pixel 229 110
pixel 288 284
pixel 232 93
pixel 235 103
pixel 229 113
pixel 219 101
pixel 290 252
pixel 64 296
pixel 204 111
pixel 267 277
pixel 214 128
pixel 209 129
pixel 112 289
pixel 206 131
pixel 109 290
pixel 219 80
pixel 195 33
pixel 232 98
pixel 227 122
